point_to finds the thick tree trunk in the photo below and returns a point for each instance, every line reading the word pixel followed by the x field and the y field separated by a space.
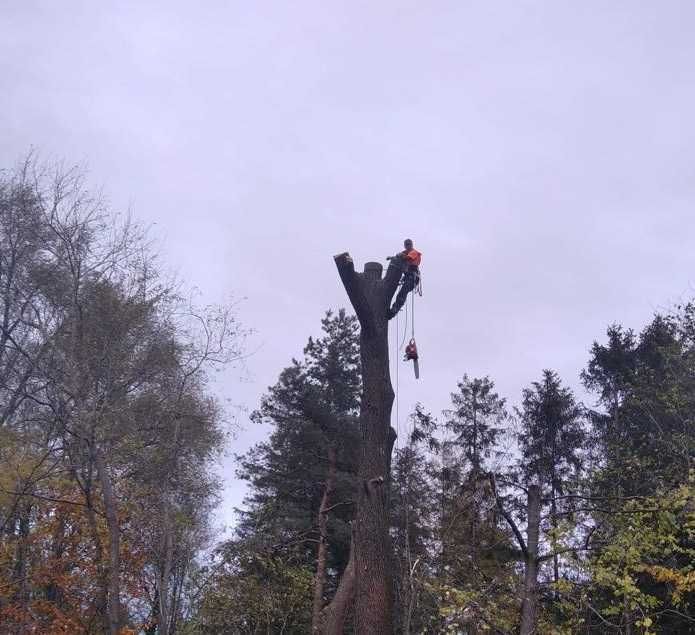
pixel 111 513
pixel 320 577
pixel 528 607
pixel 370 296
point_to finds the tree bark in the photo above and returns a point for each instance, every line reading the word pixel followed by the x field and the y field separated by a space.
pixel 335 614
pixel 320 577
pixel 370 296
pixel 20 597
pixel 168 549
pixel 101 600
pixel 528 606
pixel 111 513
pixel 52 590
pixel 553 524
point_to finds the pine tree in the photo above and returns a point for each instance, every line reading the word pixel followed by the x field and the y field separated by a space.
pixel 415 515
pixel 551 440
pixel 475 420
pixel 476 561
pixel 309 459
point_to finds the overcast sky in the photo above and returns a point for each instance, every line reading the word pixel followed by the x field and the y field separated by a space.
pixel 540 154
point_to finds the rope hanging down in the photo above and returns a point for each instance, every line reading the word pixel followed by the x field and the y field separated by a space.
pixel 411 353
pixel 398 416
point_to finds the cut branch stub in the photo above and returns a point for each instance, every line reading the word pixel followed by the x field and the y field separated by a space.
pixel 373 271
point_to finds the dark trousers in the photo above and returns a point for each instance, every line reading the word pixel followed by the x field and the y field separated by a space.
pixel 410 280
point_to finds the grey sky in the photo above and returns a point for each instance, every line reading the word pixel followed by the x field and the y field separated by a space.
pixel 541 154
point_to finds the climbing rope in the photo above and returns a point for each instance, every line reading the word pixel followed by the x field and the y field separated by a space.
pixel 405 332
pixel 398 418
pixel 412 317
pixel 399 347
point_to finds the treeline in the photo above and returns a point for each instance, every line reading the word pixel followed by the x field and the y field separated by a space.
pixel 108 428
pixel 550 517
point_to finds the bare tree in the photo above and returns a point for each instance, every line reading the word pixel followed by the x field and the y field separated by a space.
pixel 370 296
pixel 104 394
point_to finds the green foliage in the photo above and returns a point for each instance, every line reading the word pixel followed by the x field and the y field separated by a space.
pixel 480 607
pixel 647 386
pixel 552 432
pixel 475 420
pixel 252 594
pixel 312 407
pixel 414 519
pixel 286 474
pixel 103 387
pixel 646 573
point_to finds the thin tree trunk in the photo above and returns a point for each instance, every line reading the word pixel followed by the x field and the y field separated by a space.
pixel 102 599
pixel 553 524
pixel 320 577
pixel 556 560
pixel 528 606
pixel 176 601
pixel 627 618
pixel 21 566
pixel 168 540
pixel 52 590
pixel 111 513
pixel 370 296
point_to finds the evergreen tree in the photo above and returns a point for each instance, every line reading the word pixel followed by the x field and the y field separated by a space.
pixel 552 434
pixel 311 453
pixel 476 579
pixel 648 392
pixel 414 518
pixel 551 441
pixel 641 574
pixel 475 420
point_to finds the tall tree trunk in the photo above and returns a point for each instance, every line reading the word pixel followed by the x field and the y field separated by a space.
pixel 556 559
pixel 370 296
pixel 21 567
pixel 102 598
pixel 335 614
pixel 111 513
pixel 320 577
pixel 53 592
pixel 176 599
pixel 528 606
pixel 168 545
pixel 168 535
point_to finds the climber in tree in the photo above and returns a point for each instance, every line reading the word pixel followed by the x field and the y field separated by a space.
pixel 410 259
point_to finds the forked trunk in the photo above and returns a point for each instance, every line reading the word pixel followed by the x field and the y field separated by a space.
pixel 370 296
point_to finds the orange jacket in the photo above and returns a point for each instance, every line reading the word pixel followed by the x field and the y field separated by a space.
pixel 412 257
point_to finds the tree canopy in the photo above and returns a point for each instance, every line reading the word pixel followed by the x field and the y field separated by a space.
pixel 548 515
